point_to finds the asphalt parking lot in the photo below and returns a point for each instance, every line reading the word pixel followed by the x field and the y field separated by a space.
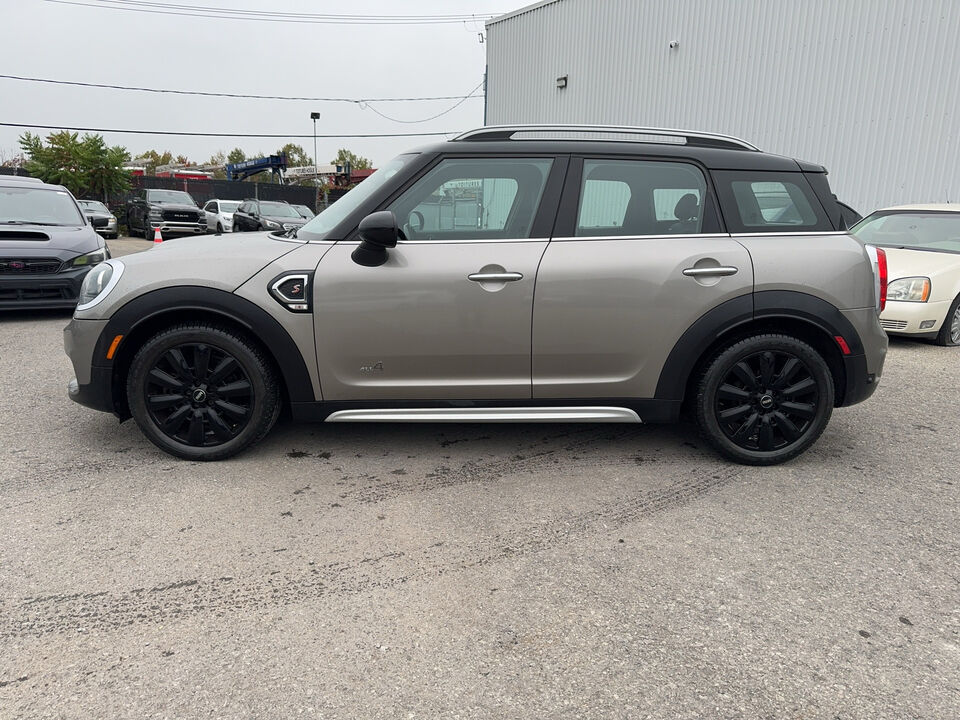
pixel 477 571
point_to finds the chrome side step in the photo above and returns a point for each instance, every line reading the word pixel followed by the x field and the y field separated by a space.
pixel 492 414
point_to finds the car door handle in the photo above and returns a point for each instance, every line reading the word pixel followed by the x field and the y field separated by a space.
pixel 495 276
pixel 721 271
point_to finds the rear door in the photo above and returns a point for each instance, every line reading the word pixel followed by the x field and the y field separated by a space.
pixel 447 317
pixel 636 258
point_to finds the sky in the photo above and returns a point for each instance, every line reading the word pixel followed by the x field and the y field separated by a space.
pixel 108 45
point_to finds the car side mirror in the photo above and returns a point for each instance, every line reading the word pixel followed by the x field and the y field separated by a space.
pixel 378 231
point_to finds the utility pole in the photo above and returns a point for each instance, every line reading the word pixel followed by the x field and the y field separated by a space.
pixel 315 116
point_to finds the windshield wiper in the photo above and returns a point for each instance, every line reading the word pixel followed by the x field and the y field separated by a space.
pixel 29 222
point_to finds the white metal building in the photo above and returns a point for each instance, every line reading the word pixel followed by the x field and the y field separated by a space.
pixel 868 88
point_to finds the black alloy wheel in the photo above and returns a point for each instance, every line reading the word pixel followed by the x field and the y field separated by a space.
pixel 202 392
pixel 765 399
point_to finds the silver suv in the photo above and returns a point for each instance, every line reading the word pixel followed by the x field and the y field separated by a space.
pixel 514 274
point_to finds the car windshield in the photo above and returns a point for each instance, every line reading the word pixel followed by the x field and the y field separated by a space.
pixel 170 197
pixel 34 206
pixel 304 211
pixel 229 206
pixel 328 219
pixel 278 210
pixel 93 205
pixel 937 231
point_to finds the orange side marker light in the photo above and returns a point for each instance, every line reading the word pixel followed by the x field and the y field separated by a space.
pixel 113 346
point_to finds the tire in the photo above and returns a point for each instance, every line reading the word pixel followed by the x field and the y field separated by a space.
pixel 219 229
pixel 765 399
pixel 949 335
pixel 202 409
pixel 237 228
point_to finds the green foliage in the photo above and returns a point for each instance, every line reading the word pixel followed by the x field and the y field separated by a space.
pixel 236 155
pixel 296 155
pixel 85 166
pixel 155 159
pixel 344 156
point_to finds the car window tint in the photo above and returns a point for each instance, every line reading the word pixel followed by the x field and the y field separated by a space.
pixel 487 198
pixel 639 197
pixel 775 202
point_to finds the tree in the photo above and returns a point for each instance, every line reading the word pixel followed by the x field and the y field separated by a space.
pixel 219 158
pixel 83 166
pixel 296 155
pixel 357 162
pixel 153 159
pixel 236 156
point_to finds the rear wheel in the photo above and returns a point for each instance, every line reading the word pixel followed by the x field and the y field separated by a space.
pixel 202 392
pixel 949 334
pixel 765 399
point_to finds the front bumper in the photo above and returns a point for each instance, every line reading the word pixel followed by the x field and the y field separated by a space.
pixel 171 229
pixel 914 318
pixel 92 384
pixel 34 292
pixel 109 229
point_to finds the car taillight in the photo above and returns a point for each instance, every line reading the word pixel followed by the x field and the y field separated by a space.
pixel 882 275
pixel 878 257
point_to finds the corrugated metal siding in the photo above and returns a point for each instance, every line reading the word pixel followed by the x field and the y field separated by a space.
pixel 868 88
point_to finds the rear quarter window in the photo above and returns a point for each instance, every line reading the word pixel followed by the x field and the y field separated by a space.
pixel 763 202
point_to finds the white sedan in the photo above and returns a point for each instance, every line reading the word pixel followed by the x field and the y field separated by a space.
pixel 922 244
pixel 220 215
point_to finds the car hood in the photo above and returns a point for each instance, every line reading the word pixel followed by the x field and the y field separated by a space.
pixel 215 261
pixel 47 240
pixel 179 207
pixel 943 269
pixel 285 220
pixel 908 263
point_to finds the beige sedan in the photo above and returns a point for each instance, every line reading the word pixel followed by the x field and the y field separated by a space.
pixel 922 243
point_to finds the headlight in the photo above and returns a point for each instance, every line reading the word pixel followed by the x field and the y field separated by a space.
pixel 113 218
pixel 271 224
pixel 156 213
pixel 911 289
pixel 91 258
pixel 98 283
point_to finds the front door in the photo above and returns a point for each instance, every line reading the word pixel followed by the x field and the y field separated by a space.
pixel 447 317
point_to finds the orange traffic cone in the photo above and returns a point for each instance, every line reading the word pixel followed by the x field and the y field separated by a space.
pixel 157 237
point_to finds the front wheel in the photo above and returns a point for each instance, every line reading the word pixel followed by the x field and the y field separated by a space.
pixel 949 334
pixel 765 399
pixel 202 392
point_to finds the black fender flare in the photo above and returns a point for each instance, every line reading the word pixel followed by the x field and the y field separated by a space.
pixel 766 304
pixel 241 311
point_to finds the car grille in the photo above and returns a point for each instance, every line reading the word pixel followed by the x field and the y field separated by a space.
pixel 893 324
pixel 180 216
pixel 27 266
pixel 26 295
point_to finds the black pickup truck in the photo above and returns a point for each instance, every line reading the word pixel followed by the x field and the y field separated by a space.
pixel 173 211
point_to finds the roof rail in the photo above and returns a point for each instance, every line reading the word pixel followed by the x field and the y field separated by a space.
pixel 699 139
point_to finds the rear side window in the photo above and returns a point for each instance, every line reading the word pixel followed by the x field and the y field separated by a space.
pixel 757 202
pixel 640 197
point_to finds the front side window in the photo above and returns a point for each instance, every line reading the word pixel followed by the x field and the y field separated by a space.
pixel 481 198
pixel 640 197
pixel 771 202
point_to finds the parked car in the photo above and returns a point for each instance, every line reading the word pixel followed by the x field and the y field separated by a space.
pixel 266 215
pixel 660 282
pixel 220 214
pixel 103 221
pixel 305 212
pixel 173 211
pixel 922 244
pixel 47 245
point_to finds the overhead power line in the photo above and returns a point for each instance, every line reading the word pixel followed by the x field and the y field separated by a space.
pixel 217 134
pixel 242 95
pixel 432 117
pixel 165 8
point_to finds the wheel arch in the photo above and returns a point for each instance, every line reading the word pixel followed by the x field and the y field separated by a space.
pixel 150 313
pixel 805 317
